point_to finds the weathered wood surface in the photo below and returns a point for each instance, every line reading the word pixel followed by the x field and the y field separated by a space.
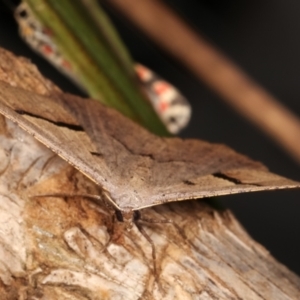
pixel 54 248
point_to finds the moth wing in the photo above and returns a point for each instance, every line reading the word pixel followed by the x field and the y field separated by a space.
pixel 152 170
pixel 49 122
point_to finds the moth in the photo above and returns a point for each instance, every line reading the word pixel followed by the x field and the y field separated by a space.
pixel 134 168
pixel 170 105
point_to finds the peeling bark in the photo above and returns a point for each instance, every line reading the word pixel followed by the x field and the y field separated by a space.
pixel 56 248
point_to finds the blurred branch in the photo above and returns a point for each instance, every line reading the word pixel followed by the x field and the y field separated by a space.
pixel 174 36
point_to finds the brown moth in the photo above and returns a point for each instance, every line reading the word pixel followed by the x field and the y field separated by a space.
pixel 134 168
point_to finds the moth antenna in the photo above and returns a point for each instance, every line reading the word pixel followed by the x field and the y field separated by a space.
pixel 94 198
pixel 89 196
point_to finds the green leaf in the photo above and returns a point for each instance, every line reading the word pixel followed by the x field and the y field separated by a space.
pixel 86 38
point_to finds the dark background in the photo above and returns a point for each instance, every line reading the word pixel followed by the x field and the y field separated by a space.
pixel 263 38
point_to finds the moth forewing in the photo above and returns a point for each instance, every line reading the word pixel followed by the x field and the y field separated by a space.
pixel 134 167
pixel 43 119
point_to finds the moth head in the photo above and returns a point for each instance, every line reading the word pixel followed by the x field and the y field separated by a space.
pixel 129 217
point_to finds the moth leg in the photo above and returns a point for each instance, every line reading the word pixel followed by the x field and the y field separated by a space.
pixel 95 199
pixel 151 220
pixel 111 234
pixel 154 221
pixel 147 237
pixel 116 234
pixel 138 218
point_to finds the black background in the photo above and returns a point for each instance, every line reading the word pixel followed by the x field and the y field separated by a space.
pixel 263 38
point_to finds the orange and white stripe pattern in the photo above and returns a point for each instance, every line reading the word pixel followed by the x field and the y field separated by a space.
pixel 171 106
pixel 40 40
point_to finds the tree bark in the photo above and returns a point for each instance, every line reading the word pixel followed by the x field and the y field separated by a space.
pixel 56 248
